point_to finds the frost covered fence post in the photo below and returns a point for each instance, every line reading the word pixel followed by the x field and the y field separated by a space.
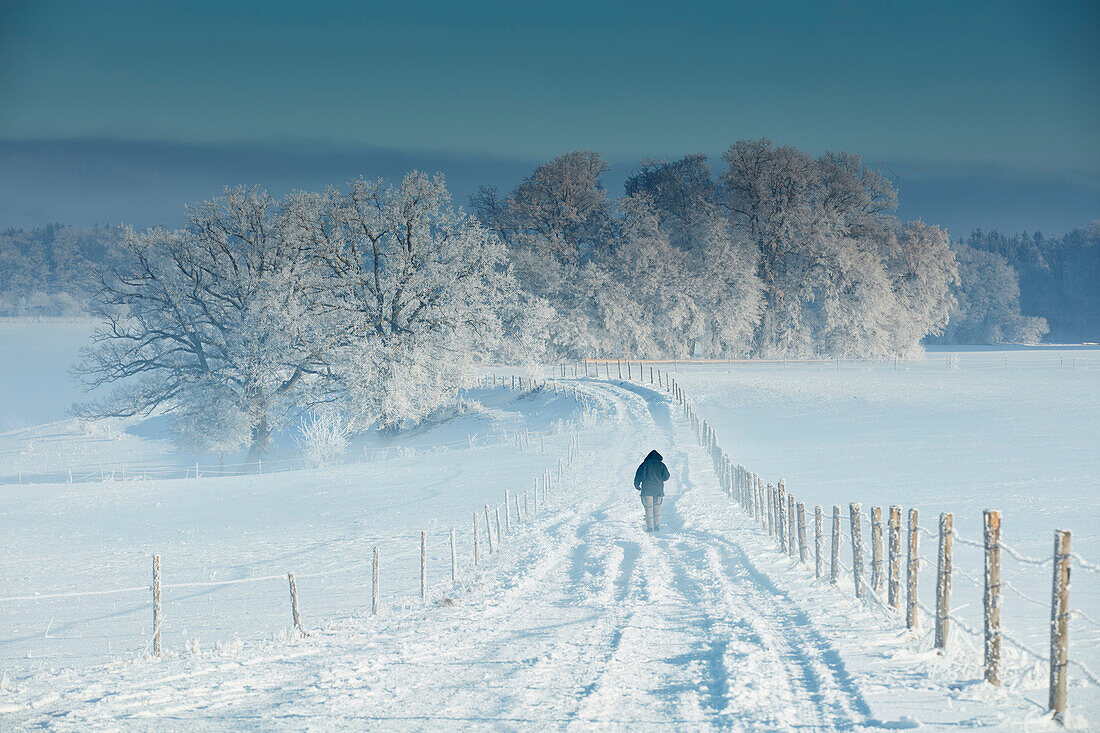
pixel 771 509
pixel 374 583
pixel 519 517
pixel 1059 625
pixel 912 566
pixel 791 523
pixel 780 511
pixel 893 597
pixel 876 549
pixel 992 596
pixel 834 560
pixel 526 508
pixel 760 498
pixel 477 543
pixel 857 548
pixel 489 528
pixel 817 541
pixel 423 564
pixel 943 580
pixel 507 514
pixel 754 495
pixel 802 532
pixel 500 541
pixel 157 616
pixel 454 558
pixel 294 604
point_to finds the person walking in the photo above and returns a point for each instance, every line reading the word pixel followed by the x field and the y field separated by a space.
pixel 650 480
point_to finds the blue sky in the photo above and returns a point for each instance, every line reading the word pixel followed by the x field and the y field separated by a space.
pixel 997 103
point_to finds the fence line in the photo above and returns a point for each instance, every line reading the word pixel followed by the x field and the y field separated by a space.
pixel 545 488
pixel 744 487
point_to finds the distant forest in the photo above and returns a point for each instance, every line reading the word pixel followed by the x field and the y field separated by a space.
pixel 1020 288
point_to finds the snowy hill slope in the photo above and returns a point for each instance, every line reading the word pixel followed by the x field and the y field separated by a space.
pixel 580 620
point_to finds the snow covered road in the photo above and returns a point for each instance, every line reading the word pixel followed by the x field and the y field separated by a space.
pixel 582 621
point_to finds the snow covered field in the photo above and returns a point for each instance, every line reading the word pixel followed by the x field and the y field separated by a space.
pixel 1015 430
pixel 581 619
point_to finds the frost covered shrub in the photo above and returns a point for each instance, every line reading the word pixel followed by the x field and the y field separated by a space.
pixel 323 436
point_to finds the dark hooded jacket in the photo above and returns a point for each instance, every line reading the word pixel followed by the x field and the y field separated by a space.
pixel 651 475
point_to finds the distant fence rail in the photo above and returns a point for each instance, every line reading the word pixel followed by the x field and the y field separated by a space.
pixel 468 552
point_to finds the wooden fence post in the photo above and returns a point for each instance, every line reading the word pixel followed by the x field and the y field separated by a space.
pixel 519 517
pixel 454 558
pixel 857 548
pixel 423 564
pixel 893 597
pixel 526 508
pixel 912 566
pixel 489 529
pixel 157 617
pixel 943 580
pixel 477 543
pixel 784 519
pixel 294 603
pixel 1059 625
pixel 507 514
pixel 792 522
pixel 374 584
pixel 817 541
pixel 802 532
pixel 992 597
pixel 758 487
pixel 834 563
pixel 497 513
pixel 876 549
pixel 771 509
pixel 780 512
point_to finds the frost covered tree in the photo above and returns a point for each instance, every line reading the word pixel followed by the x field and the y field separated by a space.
pixel 720 268
pixel 562 208
pixel 214 322
pixel 839 274
pixel 424 288
pixel 372 303
pixel 555 224
pixel 683 195
pixel 987 307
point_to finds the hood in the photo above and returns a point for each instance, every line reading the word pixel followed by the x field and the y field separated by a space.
pixel 654 456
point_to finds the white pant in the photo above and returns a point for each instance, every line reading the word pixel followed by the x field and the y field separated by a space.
pixel 652 506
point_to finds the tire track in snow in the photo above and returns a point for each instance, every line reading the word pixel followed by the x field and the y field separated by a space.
pixel 781 628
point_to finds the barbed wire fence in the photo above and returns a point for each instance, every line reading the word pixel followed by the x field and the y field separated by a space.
pixel 459 561
pixel 892 547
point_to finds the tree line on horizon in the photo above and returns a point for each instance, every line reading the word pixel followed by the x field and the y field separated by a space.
pixel 1012 288
pixel 375 301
